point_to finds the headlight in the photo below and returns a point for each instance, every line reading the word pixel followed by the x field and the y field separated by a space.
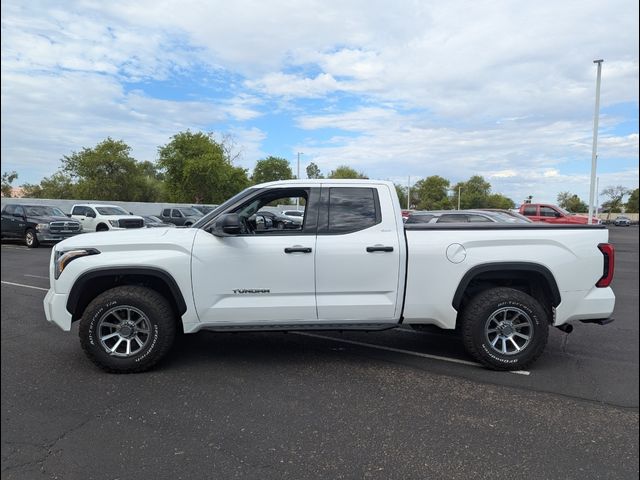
pixel 114 223
pixel 42 226
pixel 63 258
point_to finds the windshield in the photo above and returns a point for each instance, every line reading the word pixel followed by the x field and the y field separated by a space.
pixel 112 211
pixel 44 211
pixel 190 212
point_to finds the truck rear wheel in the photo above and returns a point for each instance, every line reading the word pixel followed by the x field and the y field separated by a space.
pixel 504 329
pixel 127 329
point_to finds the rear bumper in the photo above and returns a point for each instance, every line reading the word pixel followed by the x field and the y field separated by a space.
pixel 55 309
pixel 594 306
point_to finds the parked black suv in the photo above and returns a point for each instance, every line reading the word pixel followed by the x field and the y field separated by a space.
pixel 37 224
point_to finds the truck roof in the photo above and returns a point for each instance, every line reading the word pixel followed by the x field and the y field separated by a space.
pixel 323 181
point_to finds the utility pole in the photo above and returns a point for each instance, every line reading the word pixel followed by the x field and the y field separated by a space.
pixel 594 150
pixel 298 177
pixel 409 193
pixel 459 193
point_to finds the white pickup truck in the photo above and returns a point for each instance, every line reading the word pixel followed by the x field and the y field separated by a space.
pixel 99 218
pixel 352 264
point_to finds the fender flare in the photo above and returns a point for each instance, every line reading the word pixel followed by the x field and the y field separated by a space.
pixel 81 281
pixel 507 267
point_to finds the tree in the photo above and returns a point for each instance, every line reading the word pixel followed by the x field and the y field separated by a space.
pixel 7 180
pixel 109 172
pixel 496 200
pixel 572 203
pixel 632 203
pixel 271 169
pixel 57 186
pixel 474 193
pixel 344 172
pixel 402 195
pixel 615 195
pixel 197 169
pixel 431 193
pixel 313 171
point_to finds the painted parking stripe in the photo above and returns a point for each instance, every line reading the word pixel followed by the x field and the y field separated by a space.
pixel 36 276
pixel 406 352
pixel 24 286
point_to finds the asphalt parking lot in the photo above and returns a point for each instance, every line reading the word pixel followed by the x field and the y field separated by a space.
pixel 396 404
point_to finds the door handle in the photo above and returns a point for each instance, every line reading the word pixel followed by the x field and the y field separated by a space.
pixel 379 248
pixel 297 250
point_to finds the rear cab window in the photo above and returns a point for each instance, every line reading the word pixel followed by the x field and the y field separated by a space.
pixel 349 209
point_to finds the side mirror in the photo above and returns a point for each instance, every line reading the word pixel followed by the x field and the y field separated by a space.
pixel 227 224
pixel 69 215
pixel 558 214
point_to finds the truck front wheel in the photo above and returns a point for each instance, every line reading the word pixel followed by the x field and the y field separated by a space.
pixel 127 329
pixel 504 329
pixel 31 239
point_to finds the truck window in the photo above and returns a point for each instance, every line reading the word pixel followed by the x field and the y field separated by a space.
pixel 353 209
pixel 478 219
pixel 166 212
pixel 78 211
pixel 19 211
pixel 453 218
pixel 9 209
pixel 530 211
pixel 176 214
pixel 547 212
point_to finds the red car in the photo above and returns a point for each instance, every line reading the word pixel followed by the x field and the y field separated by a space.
pixel 543 212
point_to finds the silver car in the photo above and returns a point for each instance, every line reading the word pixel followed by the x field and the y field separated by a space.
pixel 465 216
pixel 622 222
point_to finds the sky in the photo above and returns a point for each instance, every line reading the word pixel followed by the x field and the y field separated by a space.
pixel 398 90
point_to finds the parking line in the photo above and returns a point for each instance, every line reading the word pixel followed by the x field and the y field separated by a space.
pixel 36 276
pixel 406 352
pixel 24 286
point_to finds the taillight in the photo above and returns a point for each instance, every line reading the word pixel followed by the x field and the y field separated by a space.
pixel 609 254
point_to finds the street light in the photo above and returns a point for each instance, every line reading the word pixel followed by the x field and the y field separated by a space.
pixel 459 193
pixel 594 156
pixel 298 177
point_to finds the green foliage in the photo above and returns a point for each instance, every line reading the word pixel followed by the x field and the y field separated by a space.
pixel 615 195
pixel 313 171
pixel 344 172
pixel 57 186
pixel 431 193
pixel 271 169
pixel 197 169
pixel 495 200
pixel 402 195
pixel 572 203
pixel 632 203
pixel 7 180
pixel 105 172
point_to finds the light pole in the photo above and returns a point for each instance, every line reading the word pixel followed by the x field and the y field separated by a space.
pixel 409 193
pixel 298 177
pixel 459 193
pixel 594 156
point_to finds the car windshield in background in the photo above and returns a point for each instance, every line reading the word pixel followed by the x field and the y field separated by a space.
pixel 151 218
pixel 294 213
pixel 190 212
pixel 111 211
pixel 44 211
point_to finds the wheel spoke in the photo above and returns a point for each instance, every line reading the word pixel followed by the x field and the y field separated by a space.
pixel 107 337
pixel 518 334
pixel 492 330
pixel 514 344
pixel 138 341
pixel 142 330
pixel 115 347
pixel 128 352
pixel 522 325
pixel 109 324
pixel 504 345
pixel 495 340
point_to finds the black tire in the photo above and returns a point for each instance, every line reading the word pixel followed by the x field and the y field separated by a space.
pixel 125 306
pixel 102 228
pixel 31 239
pixel 504 329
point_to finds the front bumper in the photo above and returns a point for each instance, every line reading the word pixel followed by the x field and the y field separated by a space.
pixel 45 237
pixel 55 309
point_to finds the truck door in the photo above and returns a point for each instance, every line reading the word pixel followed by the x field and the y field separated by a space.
pixel 358 255
pixel 259 276
pixel 9 222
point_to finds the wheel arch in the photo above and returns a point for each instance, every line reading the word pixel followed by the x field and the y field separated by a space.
pixel 537 278
pixel 91 284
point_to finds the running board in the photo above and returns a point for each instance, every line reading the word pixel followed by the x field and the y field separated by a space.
pixel 599 321
pixel 301 327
